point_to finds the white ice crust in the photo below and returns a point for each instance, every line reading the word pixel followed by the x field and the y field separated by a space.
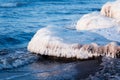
pixel 94 21
pixel 112 9
pixel 93 31
pixel 105 23
pixel 66 43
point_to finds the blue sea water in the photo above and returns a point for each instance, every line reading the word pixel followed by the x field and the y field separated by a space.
pixel 19 21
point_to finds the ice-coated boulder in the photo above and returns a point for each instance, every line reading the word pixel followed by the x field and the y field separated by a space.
pixel 53 41
pixel 94 21
pixel 102 25
pixel 112 9
pixel 97 34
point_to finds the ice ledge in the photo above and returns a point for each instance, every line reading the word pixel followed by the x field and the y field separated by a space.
pixel 98 36
pixel 49 41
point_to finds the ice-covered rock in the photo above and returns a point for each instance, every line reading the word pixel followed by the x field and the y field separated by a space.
pixel 59 42
pixel 104 26
pixel 112 9
pixel 105 23
pixel 96 36
pixel 94 21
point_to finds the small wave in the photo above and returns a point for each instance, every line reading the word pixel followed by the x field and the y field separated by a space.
pixel 13 59
pixel 8 4
pixel 12 4
pixel 7 41
pixel 16 39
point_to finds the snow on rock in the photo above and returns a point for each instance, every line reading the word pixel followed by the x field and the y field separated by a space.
pixel 94 21
pixel 58 42
pixel 112 9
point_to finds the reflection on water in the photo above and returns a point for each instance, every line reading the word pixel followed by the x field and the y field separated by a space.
pixel 52 70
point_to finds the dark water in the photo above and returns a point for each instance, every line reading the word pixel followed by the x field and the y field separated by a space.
pixel 20 19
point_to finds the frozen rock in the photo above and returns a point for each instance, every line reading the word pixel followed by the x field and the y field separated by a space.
pixel 94 21
pixel 112 9
pixel 95 32
pixel 58 42
pixel 104 26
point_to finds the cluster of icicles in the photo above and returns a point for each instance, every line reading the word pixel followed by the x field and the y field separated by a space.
pixel 105 23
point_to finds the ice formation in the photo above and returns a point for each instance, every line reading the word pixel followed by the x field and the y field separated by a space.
pixel 112 9
pixel 70 44
pixel 97 35
pixel 105 23
pixel 94 21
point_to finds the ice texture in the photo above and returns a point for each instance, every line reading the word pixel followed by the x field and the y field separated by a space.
pixel 112 9
pixel 59 42
pixel 105 23
pixel 96 35
pixel 94 20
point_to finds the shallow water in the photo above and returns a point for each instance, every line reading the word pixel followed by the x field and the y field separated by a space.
pixel 19 20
